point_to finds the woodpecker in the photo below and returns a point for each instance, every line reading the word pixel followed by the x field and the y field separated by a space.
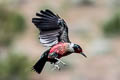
pixel 53 34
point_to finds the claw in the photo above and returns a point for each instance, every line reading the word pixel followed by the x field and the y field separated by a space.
pixel 60 61
pixel 56 67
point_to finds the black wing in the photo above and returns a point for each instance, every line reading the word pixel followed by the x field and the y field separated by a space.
pixel 52 28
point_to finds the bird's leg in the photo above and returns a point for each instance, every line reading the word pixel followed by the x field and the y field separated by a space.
pixel 56 66
pixel 60 61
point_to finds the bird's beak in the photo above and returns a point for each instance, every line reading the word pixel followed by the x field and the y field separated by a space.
pixel 83 54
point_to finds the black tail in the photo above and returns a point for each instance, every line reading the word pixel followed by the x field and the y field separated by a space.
pixel 40 64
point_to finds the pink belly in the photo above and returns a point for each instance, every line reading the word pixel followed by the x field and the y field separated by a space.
pixel 59 49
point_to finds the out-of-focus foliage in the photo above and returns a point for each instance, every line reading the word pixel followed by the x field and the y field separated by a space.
pixel 112 26
pixel 14 67
pixel 87 2
pixel 11 23
pixel 83 2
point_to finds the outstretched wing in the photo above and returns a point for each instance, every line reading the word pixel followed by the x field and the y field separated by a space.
pixel 52 28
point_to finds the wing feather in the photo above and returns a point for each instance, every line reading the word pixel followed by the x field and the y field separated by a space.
pixel 52 28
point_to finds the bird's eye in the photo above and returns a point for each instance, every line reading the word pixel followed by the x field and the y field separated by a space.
pixel 75 46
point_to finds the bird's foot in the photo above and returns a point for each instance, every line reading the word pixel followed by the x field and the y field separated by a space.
pixel 64 64
pixel 60 61
pixel 56 66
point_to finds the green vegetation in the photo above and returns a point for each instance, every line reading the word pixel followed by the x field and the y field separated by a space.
pixel 11 23
pixel 87 2
pixel 112 26
pixel 14 67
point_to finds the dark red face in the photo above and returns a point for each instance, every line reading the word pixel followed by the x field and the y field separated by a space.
pixel 78 49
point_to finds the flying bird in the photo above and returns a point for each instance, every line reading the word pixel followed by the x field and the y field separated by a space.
pixel 53 34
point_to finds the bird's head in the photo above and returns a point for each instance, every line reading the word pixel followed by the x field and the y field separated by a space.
pixel 78 49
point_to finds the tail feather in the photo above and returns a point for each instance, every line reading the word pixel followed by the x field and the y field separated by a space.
pixel 38 67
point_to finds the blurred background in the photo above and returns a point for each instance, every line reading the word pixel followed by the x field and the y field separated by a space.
pixel 93 24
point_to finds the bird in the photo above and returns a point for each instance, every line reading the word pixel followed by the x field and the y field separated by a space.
pixel 54 35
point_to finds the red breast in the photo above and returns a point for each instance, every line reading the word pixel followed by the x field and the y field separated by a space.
pixel 59 48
